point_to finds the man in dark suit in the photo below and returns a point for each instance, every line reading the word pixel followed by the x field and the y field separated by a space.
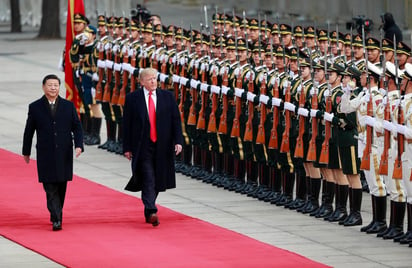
pixel 152 135
pixel 56 124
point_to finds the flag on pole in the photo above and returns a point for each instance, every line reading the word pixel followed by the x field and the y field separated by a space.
pixel 74 6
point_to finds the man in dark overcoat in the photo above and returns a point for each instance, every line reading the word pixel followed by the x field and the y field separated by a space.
pixel 57 125
pixel 152 136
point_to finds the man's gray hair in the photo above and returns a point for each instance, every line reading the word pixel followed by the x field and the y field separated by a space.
pixel 147 71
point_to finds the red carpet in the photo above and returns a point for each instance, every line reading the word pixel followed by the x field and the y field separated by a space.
pixel 105 228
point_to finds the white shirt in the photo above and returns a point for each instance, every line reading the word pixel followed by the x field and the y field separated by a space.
pixel 146 97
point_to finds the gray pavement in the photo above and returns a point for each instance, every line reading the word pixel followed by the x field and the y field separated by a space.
pixel 24 62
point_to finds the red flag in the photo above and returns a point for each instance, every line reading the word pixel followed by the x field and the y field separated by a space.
pixel 74 6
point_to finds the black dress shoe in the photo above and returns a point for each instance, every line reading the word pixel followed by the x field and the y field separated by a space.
pixel 153 219
pixel 57 225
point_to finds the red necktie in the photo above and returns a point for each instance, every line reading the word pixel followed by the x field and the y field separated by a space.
pixel 152 118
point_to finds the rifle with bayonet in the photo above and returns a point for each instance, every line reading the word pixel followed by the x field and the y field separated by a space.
pixel 99 91
pixel 299 152
pixel 311 155
pixel 260 136
pixel 109 74
pixel 397 169
pixel 367 152
pixel 324 153
pixel 125 76
pixel 383 165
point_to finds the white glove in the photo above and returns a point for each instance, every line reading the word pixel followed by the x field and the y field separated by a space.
pixel 303 112
pixel 250 96
pixel 109 64
pixel 115 48
pixel 299 89
pixel 95 77
pixel 289 106
pixel 124 49
pixel 276 102
pixel 183 61
pixel 401 129
pixel 194 83
pixel 101 64
pixel 126 67
pixel 225 89
pixel 204 66
pixel 77 73
pixel 183 81
pixel 238 92
pixel 130 52
pixel 107 46
pixel 83 39
pixel 117 67
pixel 174 59
pixel 131 69
pixel 313 112
pixel 263 99
pixel 176 78
pixel 366 97
pixel 328 116
pixel 370 121
pixel 388 126
pixel 215 89
pixel 203 87
pixel 326 93
pixel 313 91
pixel 163 77
pixel 286 83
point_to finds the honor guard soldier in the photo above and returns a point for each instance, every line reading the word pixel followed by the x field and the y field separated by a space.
pixel 403 51
pixel 107 91
pixel 89 79
pixel 406 86
pixel 76 54
pixel 317 110
pixel 387 48
pixel 104 39
pixel 373 48
pixel 393 181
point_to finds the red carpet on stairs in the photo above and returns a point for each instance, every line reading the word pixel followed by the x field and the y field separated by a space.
pixel 105 228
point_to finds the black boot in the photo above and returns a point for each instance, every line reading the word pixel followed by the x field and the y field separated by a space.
pixel 341 222
pixel 95 131
pixel 322 200
pixel 301 191
pixel 289 181
pixel 396 229
pixel 112 145
pixel 355 217
pixel 84 121
pixel 314 198
pixel 276 177
pixel 380 211
pixel 327 209
pixel 187 159
pixel 104 145
pixel 407 238
pixel 308 195
pixel 340 212
pixel 367 227
pixel 119 142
